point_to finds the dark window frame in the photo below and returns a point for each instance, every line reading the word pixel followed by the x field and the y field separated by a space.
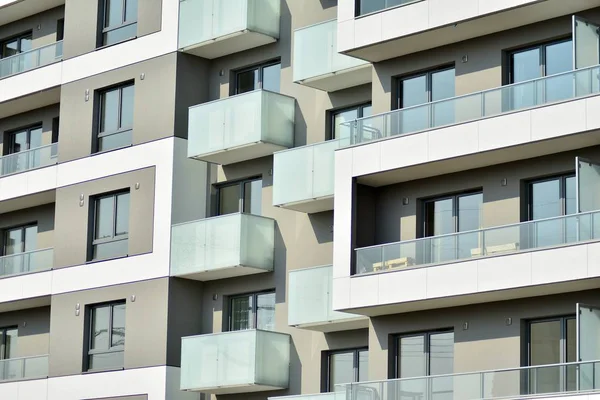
pixel 454 196
pixel 98 99
pixel 241 183
pixel 5 231
pixel 94 200
pixel 428 73
pixel 358 14
pixel 562 188
pixel 3 330
pixel 102 20
pixel 10 137
pixel 336 111
pixel 260 67
pixel 542 59
pixel 89 331
pixel 563 334
pixel 18 37
pixel 326 365
pixel 395 361
pixel 254 295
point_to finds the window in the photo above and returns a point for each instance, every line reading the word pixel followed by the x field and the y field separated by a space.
pixel 425 88
pixel 451 214
pixel 115 118
pixel 423 354
pixel 106 342
pixel 536 62
pixel 347 114
pixel 243 196
pixel 252 311
pixel 15 45
pixel 347 366
pixel 552 341
pixel 110 226
pixel 119 20
pixel 549 198
pixel 8 343
pixel 368 6
pixel 266 76
pixel 24 139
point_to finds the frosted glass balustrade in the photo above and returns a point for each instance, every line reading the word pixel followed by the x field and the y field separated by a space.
pixel 318 396
pixel 31 59
pixel 241 127
pixel 310 297
pixel 27 262
pixel 228 245
pixel 225 362
pixel 29 159
pixel 24 368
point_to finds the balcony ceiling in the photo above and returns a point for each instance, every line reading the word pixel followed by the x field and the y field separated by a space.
pixel 13 10
pixel 31 102
pixel 468 29
pixel 34 200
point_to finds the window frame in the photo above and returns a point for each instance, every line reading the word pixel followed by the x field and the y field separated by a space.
pixel 333 113
pixel 454 197
pixel 103 29
pixel 427 345
pixel 563 335
pixel 94 223
pixel 10 137
pixel 542 58
pixel 428 73
pixel 100 114
pixel 326 365
pixel 90 329
pixel 19 38
pixel 12 228
pixel 241 183
pixel 260 67
pixel 562 188
pixel 3 337
pixel 254 295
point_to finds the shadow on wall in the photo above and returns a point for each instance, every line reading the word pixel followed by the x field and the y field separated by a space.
pixel 328 4
pixel 322 226
pixel 280 267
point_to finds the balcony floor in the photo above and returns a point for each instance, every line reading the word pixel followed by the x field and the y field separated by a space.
pixel 222 273
pixel 225 45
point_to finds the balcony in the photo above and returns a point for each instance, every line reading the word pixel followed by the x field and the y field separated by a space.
pixel 303 177
pixel 216 28
pixel 222 247
pixel 31 59
pixel 14 369
pixel 319 396
pixel 27 160
pixel 477 106
pixel 13 10
pixel 26 263
pixel 516 383
pixel 243 127
pixel 235 362
pixel 374 33
pixel 310 302
pixel 318 64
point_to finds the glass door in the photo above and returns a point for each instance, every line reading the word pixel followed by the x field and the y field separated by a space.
pixel 18 243
pixel 8 350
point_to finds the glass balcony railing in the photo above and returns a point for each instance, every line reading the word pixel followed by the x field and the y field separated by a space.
pixel 24 368
pixel 27 262
pixel 31 59
pixel 513 383
pixel 202 21
pixel 310 297
pixel 224 362
pixel 241 126
pixel 500 240
pixel 318 396
pixel 210 248
pixel 315 52
pixel 489 103
pixel 305 173
pixel 29 159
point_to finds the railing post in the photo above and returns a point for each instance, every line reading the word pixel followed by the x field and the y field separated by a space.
pixel 481 385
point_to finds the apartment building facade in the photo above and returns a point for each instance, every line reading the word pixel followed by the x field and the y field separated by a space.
pixel 263 199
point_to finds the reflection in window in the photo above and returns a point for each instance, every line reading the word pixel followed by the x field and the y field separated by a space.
pixel 115 118
pixel 106 336
pixel 347 366
pixel 345 115
pixel 265 76
pixel 252 311
pixel 119 20
pixel 242 196
pixel 111 226
pixel 369 6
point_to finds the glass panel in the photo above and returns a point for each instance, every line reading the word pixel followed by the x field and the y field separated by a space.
pixel 368 6
pixel 13 242
pixel 545 348
pixel 127 107
pixel 588 186
pixel 241 313
pixel 118 326
pixel 589 329
pixel 439 219
pixel 525 66
pixel 253 197
pixel 19 142
pixel 247 81
pixel 114 249
pixel 545 201
pixel 107 360
pixel 109 118
pixel 122 227
pixel 10 48
pixel 271 77
pixel 229 199
pixel 31 238
pixel 367 111
pixel 35 138
pixel 441 353
pixel 412 357
pixel 363 365
pixel 99 333
pixel 559 58
pixel 341 117
pixel 571 339
pixel 442 87
pixel 104 217
pixel 414 92
pixel 341 369
pixel 131 10
pixel 120 34
pixel 11 340
pixel 113 13
pixel 116 141
pixel 587 43
pixel 469 219
pixel 265 311
pixel 25 44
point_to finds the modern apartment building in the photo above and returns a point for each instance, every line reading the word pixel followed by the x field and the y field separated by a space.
pixel 333 200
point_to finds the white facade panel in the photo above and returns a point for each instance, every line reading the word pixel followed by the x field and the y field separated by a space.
pixel 25 287
pixel 32 81
pixel 24 390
